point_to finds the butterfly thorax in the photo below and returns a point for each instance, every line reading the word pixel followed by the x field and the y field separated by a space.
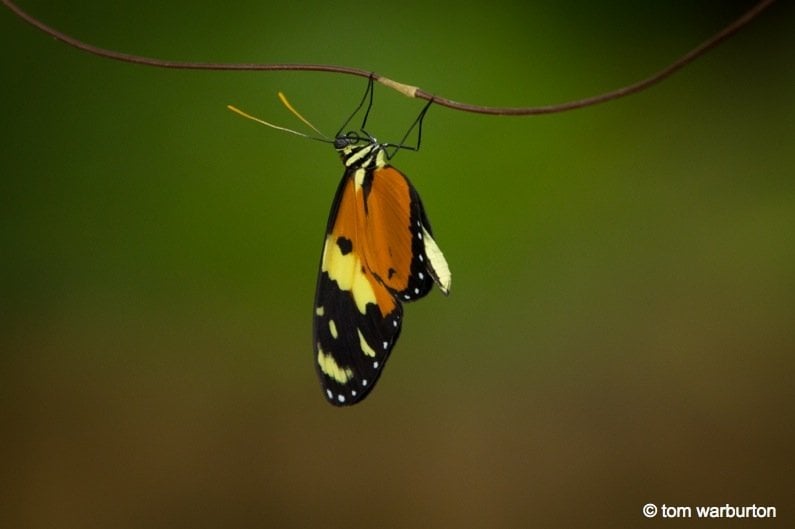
pixel 360 153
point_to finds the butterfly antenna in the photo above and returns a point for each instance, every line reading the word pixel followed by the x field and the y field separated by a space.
pixel 322 137
pixel 286 103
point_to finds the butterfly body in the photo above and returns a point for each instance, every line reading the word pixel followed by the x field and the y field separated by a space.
pixel 378 252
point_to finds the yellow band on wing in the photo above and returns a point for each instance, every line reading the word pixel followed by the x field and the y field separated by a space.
pixel 331 368
pixel 346 270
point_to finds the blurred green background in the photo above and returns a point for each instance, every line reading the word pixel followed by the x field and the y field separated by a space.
pixel 620 328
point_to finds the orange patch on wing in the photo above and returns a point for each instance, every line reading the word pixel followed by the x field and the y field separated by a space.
pixel 352 224
pixel 388 250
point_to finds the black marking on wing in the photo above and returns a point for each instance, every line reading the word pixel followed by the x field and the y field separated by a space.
pixel 345 245
pixel 379 331
pixel 422 277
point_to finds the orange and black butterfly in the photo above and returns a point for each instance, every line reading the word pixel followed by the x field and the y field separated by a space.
pixel 378 252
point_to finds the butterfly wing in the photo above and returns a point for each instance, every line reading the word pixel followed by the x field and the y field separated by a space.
pixel 378 251
pixel 357 319
pixel 400 249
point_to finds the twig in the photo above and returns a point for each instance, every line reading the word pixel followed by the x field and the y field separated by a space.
pixel 408 90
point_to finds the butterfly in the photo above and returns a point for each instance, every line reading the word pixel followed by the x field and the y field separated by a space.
pixel 378 252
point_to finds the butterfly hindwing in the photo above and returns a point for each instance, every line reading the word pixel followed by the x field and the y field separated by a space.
pixel 395 222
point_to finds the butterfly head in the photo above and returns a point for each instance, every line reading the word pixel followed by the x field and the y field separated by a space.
pixel 358 150
pixel 351 140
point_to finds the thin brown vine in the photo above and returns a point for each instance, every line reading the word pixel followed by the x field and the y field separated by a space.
pixel 405 89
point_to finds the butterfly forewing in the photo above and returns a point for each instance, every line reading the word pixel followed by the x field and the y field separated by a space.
pixel 357 319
